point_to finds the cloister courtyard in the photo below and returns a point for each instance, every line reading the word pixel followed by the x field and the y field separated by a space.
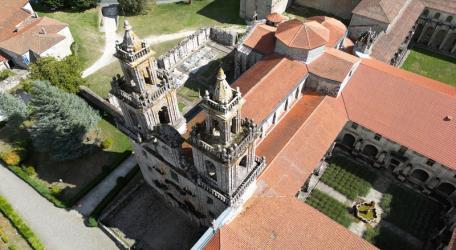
pixel 405 220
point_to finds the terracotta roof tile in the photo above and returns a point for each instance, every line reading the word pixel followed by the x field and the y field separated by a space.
pixel 214 244
pixel 275 18
pixel 265 84
pixel 11 15
pixel 33 38
pixel 381 10
pixel 334 65
pixel 303 35
pixel 387 44
pixel 405 108
pixel 262 39
pixel 337 29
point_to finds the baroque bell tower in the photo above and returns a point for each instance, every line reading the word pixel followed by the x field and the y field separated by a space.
pixel 224 144
pixel 145 100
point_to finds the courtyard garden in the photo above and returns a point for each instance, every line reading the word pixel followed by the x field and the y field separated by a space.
pixel 406 217
pixel 432 65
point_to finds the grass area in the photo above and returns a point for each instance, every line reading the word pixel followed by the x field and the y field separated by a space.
pixel 170 18
pixel 432 65
pixel 100 81
pixel 384 238
pixel 84 28
pixel 331 207
pixel 64 183
pixel 20 225
pixel 410 211
pixel 348 178
pixel 10 238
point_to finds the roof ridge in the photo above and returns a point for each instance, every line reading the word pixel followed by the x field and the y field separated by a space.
pixel 297 32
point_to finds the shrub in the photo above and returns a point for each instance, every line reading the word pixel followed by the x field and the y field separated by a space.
pixel 92 222
pixel 132 7
pixel 11 158
pixel 5 74
pixel 106 143
pixel 20 225
pixel 30 170
pixel 3 237
pixel 55 189
pixel 12 247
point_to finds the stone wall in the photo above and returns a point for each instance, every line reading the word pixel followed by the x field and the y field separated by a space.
pixel 194 42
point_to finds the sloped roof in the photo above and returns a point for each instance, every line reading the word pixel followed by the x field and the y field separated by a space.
pixel 448 6
pixel 39 36
pixel 405 108
pixel 275 17
pixel 11 15
pixel 262 39
pixel 267 83
pixel 381 10
pixel 333 64
pixel 336 28
pixel 302 35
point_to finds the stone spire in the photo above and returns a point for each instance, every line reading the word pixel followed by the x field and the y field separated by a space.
pixel 131 42
pixel 223 92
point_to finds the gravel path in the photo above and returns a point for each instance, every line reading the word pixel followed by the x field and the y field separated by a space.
pixel 97 194
pixel 57 228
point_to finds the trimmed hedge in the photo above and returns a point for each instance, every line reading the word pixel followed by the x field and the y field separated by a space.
pixel 20 225
pixel 348 178
pixel 331 207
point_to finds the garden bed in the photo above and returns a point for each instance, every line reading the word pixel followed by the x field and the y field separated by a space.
pixel 330 207
pixel 351 179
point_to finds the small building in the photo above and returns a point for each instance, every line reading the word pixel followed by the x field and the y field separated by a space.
pixel 25 37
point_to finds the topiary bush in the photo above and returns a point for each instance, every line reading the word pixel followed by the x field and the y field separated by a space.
pixel 92 222
pixel 11 158
pixel 106 143
pixel 30 170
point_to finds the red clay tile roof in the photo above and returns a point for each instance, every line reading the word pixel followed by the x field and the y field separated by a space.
pixel 267 83
pixel 214 244
pixel 405 108
pixel 11 15
pixel 33 38
pixel 262 39
pixel 303 35
pixel 275 18
pixel 381 10
pixel 336 28
pixel 452 244
pixel 333 64
pixel 387 44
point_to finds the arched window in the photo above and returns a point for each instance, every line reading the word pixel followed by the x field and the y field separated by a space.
pixel 449 19
pixel 211 170
pixel 370 151
pixel 243 162
pixel 215 128
pixel 437 15
pixel 348 140
pixel 446 188
pixel 425 12
pixel 163 115
pixel 420 175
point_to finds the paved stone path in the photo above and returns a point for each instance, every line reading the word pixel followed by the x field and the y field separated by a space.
pixel 89 202
pixel 57 228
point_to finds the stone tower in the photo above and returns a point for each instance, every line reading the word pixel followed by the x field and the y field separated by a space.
pixel 145 99
pixel 224 144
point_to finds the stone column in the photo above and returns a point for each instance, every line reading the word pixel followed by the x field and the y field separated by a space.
pixel 445 39
pixel 453 50
pixel 426 26
pixel 431 40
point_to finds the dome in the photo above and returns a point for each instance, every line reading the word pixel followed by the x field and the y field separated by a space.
pixel 275 18
pixel 303 35
pixel 337 29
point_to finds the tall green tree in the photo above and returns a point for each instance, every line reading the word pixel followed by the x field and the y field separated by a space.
pixel 53 4
pixel 61 122
pixel 81 4
pixel 64 74
pixel 13 108
pixel 132 7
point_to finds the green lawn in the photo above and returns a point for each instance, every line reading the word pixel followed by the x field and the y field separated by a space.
pixel 432 65
pixel 84 28
pixel 170 18
pixel 348 178
pixel 331 207
pixel 410 211
pixel 100 81
pixel 63 183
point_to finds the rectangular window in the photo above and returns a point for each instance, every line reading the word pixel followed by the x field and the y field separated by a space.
pixel 430 162
pixel 377 137
pixel 354 125
pixel 174 176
